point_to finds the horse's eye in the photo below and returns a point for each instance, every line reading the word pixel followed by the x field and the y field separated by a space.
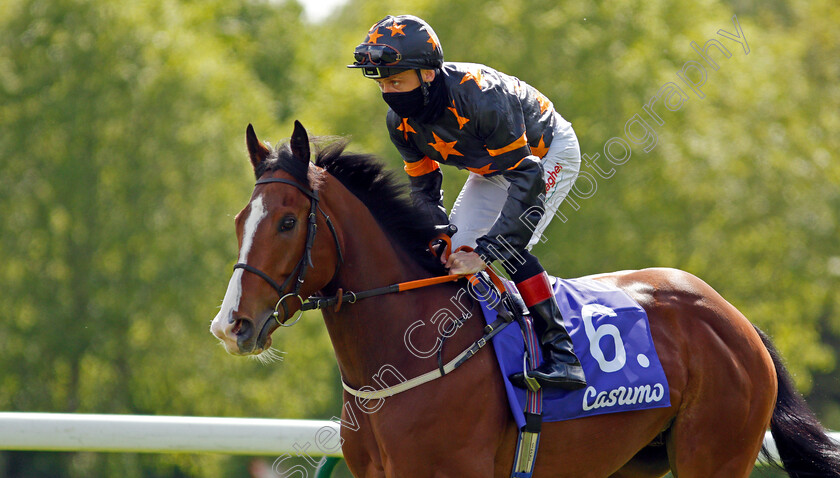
pixel 287 223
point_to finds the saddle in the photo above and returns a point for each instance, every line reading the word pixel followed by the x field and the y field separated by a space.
pixel 611 336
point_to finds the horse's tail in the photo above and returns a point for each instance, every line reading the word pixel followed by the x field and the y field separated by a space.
pixel 804 447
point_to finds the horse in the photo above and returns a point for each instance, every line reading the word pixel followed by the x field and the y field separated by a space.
pixel 727 382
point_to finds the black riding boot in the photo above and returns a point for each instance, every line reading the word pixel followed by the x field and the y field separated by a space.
pixel 561 367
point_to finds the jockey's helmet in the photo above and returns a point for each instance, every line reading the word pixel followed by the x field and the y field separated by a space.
pixel 395 44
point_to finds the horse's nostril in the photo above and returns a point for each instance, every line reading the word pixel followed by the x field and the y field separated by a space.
pixel 242 328
pixel 244 331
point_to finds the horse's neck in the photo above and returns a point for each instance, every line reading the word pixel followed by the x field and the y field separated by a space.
pixel 371 259
pixel 377 335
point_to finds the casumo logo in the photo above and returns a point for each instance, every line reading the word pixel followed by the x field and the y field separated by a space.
pixel 592 399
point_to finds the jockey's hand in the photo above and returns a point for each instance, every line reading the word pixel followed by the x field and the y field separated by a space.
pixel 464 262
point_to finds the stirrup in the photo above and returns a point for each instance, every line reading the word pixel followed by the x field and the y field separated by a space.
pixel 531 383
pixel 572 379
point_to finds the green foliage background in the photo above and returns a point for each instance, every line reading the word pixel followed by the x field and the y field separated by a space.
pixel 122 164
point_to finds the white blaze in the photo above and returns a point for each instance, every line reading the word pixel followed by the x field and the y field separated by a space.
pixel 234 290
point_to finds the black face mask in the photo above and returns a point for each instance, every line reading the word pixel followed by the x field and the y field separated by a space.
pixel 406 104
pixel 410 104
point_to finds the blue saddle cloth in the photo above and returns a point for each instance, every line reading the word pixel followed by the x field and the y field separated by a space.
pixel 611 335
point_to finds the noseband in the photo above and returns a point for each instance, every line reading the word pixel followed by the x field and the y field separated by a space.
pixel 305 262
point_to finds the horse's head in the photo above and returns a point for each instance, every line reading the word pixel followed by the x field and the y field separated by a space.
pixel 281 258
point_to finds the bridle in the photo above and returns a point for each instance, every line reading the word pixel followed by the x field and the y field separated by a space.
pixel 341 297
pixel 305 261
pixel 504 318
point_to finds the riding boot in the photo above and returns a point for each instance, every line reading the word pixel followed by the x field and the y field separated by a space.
pixel 561 367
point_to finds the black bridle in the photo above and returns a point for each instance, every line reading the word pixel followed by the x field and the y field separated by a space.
pixel 342 297
pixel 305 261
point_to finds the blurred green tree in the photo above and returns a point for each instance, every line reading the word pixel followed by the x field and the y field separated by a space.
pixel 123 164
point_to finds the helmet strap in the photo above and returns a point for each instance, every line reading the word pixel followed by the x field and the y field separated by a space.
pixel 424 87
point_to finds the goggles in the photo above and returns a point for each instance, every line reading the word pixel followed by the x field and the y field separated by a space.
pixel 380 72
pixel 376 55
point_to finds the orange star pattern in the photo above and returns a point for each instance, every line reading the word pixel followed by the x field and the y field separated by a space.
pixel 540 149
pixel 513 168
pixel 405 128
pixel 432 41
pixel 461 120
pixel 474 75
pixel 444 148
pixel 396 28
pixel 374 35
pixel 483 170
pixel 544 102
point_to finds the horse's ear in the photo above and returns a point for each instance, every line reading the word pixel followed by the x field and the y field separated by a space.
pixel 256 149
pixel 300 142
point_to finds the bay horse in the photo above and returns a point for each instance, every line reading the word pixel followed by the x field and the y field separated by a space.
pixel 727 382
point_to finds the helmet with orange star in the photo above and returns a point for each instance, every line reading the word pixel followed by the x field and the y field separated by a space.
pixel 396 44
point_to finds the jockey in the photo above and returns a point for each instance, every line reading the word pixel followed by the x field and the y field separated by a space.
pixel 522 156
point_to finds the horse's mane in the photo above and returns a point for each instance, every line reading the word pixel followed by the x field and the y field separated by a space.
pixel 385 196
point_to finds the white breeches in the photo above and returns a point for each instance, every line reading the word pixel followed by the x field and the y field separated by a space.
pixel 481 199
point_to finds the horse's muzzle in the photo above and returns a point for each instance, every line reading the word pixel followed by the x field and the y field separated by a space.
pixel 240 335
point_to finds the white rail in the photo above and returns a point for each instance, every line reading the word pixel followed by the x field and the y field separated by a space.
pixel 165 434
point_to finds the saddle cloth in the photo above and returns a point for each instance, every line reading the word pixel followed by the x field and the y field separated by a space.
pixel 611 335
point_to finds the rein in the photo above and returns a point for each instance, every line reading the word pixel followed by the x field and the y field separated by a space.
pixel 319 302
pixel 316 302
